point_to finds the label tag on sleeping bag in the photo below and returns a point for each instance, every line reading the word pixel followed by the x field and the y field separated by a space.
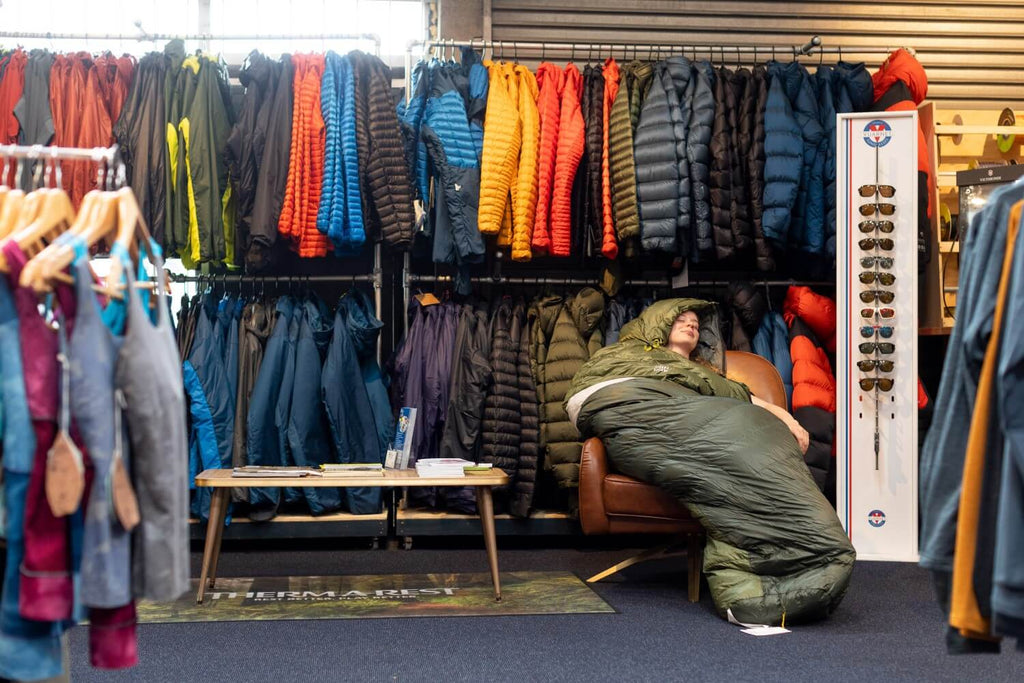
pixel 757 629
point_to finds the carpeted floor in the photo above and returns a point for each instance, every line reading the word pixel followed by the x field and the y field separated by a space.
pixel 887 629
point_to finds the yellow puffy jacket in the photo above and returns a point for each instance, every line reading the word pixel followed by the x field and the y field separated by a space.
pixel 524 204
pixel 502 140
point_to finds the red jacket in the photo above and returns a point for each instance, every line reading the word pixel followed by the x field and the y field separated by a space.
pixel 609 247
pixel 551 80
pixel 570 151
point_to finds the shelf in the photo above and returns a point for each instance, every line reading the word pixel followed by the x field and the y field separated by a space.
pixel 949 247
pixel 949 129
pixel 337 525
pixel 935 331
pixel 427 522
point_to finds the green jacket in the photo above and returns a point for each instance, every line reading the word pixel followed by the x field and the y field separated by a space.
pixel 622 123
pixel 641 352
pixel 564 334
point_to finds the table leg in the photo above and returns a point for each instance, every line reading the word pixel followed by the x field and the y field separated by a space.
pixel 222 512
pixel 485 505
pixel 212 547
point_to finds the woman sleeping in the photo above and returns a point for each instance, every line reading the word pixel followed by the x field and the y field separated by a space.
pixel 666 414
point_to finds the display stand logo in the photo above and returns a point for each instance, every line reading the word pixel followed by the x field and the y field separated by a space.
pixel 876 518
pixel 877 133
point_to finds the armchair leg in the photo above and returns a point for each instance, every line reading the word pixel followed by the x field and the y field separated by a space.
pixel 695 557
pixel 649 554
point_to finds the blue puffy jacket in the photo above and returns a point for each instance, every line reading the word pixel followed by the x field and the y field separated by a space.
pixel 825 81
pixel 772 343
pixel 783 148
pixel 340 215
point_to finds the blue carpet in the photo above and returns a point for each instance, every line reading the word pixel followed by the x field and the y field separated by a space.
pixel 887 629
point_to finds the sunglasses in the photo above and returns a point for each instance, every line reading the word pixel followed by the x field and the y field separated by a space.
pixel 880 312
pixel 875 207
pixel 876 364
pixel 868 331
pixel 883 383
pixel 882 295
pixel 883 243
pixel 881 347
pixel 881 261
pixel 869 276
pixel 871 190
pixel 884 226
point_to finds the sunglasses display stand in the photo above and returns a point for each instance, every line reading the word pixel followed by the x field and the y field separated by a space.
pixel 876 411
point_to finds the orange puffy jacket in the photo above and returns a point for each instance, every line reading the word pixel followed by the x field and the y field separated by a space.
pixel 551 80
pixel 609 247
pixel 306 162
pixel 817 311
pixel 570 151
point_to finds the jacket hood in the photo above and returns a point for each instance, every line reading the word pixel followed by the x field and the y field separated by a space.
pixel 749 305
pixel 546 310
pixel 901 66
pixel 257 69
pixel 361 322
pixel 676 73
pixel 653 325
pixel 587 310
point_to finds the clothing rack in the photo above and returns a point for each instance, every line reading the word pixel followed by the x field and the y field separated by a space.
pixel 143 36
pixel 108 154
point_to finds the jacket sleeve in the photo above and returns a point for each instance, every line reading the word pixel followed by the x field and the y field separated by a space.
pixel 657 171
pixel 783 148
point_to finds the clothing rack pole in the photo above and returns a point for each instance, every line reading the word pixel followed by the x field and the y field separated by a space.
pixel 108 154
pixel 562 281
pixel 238 279
pixel 155 37
pixel 812 46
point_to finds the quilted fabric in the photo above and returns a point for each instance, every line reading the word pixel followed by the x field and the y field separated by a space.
pixel 570 151
pixel 609 247
pixel 524 205
pixel 502 140
pixel 550 82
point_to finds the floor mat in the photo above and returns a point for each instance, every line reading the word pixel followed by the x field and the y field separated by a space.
pixel 364 597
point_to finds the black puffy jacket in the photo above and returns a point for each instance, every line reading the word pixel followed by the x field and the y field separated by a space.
pixel 500 443
pixel 662 169
pixel 740 223
pixel 593 120
pixel 720 179
pixel 754 103
pixel 529 418
pixel 387 199
pixel 748 307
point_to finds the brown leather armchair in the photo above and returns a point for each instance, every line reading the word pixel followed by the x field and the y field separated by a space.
pixel 613 503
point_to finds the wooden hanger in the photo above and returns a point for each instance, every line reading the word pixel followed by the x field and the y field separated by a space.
pixel 55 215
pixel 26 214
pixel 131 231
pixel 51 262
pixel 10 212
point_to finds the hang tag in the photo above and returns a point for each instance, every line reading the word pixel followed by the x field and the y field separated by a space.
pixel 65 476
pixel 427 299
pixel 126 505
pixel 766 630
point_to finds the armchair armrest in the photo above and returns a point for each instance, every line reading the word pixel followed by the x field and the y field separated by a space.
pixel 593 469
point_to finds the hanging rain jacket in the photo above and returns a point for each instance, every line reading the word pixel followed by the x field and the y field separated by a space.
pixel 213 395
pixel 609 245
pixel 306 164
pixel 571 140
pixel 353 419
pixel 772 343
pixel 471 377
pixel 274 128
pixel 662 166
pixel 503 138
pixel 364 328
pixel 142 140
pixel 387 193
pixel 263 442
pixel 783 154
pixel 524 200
pixel 12 87
pixel 308 438
pixel 550 81
pixel 255 326
pixel 33 109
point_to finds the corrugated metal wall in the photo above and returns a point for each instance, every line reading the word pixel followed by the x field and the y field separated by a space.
pixel 973 51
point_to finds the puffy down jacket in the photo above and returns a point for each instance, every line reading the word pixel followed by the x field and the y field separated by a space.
pixel 593 117
pixel 502 140
pixel 529 425
pixel 567 160
pixel 609 246
pixel 622 170
pixel 662 166
pixel 772 342
pixel 524 199
pixel 783 159
pixel 752 126
pixel 698 154
pixel 550 81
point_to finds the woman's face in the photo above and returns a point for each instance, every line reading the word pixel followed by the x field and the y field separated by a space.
pixel 685 332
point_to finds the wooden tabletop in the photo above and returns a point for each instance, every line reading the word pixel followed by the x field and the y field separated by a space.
pixel 223 478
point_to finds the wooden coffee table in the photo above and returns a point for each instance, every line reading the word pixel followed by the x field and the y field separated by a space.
pixel 222 482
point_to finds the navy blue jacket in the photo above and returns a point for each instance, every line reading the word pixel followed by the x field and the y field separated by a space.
pixel 784 154
pixel 772 343
pixel 263 439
